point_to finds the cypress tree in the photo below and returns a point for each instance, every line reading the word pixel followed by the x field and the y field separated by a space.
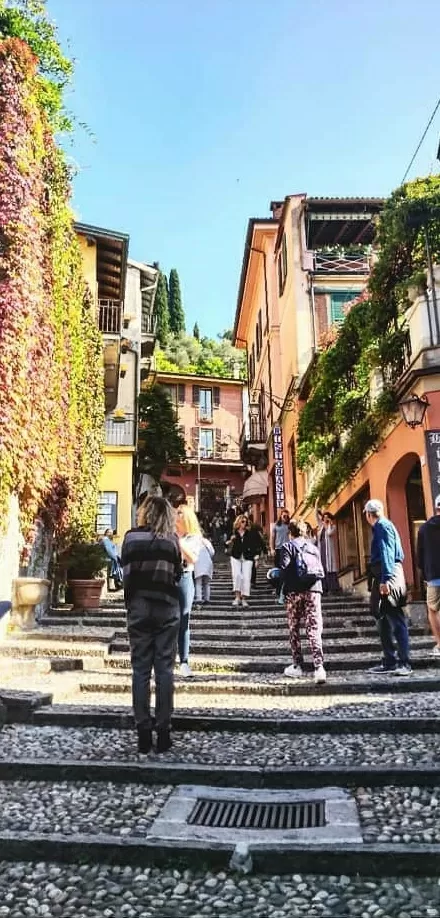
pixel 161 311
pixel 196 332
pixel 177 315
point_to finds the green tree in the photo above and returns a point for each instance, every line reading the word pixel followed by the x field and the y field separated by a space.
pixel 185 353
pixel 28 20
pixel 177 315
pixel 160 440
pixel 161 311
pixel 196 332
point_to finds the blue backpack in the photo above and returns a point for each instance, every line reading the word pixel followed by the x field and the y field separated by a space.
pixel 305 565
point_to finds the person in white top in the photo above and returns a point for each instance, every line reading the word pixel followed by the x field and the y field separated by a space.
pixel 203 572
pixel 190 542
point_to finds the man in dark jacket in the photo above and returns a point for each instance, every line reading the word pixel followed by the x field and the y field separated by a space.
pixel 388 591
pixel 428 559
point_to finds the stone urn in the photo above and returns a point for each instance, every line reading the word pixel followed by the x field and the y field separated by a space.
pixel 27 592
pixel 86 594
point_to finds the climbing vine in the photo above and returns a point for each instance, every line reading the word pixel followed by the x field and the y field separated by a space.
pixel 339 423
pixel 51 379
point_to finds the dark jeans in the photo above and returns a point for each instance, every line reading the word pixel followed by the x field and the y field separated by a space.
pixel 152 631
pixel 277 559
pixel 254 574
pixel 186 597
pixel 391 625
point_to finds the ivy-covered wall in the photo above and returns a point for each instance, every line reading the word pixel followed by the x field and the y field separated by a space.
pixel 51 376
pixel 339 423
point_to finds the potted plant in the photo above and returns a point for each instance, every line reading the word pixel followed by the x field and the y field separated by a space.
pixel 119 416
pixel 84 563
pixel 123 370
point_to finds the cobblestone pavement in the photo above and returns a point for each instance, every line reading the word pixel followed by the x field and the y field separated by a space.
pixel 68 891
pixel 73 807
pixel 259 749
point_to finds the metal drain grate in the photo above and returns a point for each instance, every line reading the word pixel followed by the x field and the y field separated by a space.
pixel 233 814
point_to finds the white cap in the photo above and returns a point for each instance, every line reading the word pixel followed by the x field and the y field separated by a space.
pixel 437 502
pixel 373 506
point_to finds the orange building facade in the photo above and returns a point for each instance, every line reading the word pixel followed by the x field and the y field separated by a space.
pixel 299 269
pixel 210 416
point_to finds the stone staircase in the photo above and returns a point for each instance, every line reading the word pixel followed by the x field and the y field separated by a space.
pixel 371 742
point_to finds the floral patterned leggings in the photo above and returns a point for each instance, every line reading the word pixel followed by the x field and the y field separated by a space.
pixel 305 606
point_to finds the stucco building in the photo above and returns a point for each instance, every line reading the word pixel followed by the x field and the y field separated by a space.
pixel 124 292
pixel 300 266
pixel 209 411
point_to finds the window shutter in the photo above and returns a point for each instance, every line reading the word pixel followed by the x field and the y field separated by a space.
pixel 196 395
pixel 181 393
pixel 195 439
pixel 216 396
pixel 218 443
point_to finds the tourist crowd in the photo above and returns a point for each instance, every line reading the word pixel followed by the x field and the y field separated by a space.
pixel 167 567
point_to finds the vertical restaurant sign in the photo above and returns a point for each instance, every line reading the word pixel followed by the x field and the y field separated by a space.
pixel 279 466
pixel 432 438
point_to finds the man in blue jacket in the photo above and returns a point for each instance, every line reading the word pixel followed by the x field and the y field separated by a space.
pixel 388 591
pixel 428 558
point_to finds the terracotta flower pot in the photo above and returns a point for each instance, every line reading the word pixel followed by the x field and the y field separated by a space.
pixel 27 592
pixel 86 594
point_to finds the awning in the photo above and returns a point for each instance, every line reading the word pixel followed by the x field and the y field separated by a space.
pixel 255 486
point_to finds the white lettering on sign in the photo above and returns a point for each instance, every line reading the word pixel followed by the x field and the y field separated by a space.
pixel 433 457
pixel 279 467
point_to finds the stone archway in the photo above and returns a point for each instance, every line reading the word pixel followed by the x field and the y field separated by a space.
pixel 406 508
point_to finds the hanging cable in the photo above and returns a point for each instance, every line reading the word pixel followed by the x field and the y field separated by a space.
pixel 422 139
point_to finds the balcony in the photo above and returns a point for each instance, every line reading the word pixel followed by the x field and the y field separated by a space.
pixel 110 316
pixel 204 416
pixel 120 431
pixel 253 440
pixel 341 263
pixel 148 333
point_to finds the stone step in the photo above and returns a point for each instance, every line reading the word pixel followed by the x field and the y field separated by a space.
pixel 258 666
pixel 121 718
pixel 252 648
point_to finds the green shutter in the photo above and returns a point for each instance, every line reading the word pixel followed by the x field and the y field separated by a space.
pixel 337 303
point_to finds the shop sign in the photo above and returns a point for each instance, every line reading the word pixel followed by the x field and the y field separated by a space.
pixel 279 466
pixel 432 438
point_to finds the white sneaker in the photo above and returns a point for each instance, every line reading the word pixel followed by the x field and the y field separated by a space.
pixel 320 675
pixel 185 670
pixel 294 671
pixel 244 604
pixel 236 603
pixel 435 652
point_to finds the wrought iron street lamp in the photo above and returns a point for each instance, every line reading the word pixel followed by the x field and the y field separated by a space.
pixel 413 410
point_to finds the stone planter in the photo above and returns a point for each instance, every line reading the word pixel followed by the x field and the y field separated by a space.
pixel 27 592
pixel 86 594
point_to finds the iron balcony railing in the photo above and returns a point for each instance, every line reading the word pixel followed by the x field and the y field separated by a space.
pixel 110 317
pixel 148 323
pixel 253 432
pixel 120 431
pixel 341 263
pixel 205 415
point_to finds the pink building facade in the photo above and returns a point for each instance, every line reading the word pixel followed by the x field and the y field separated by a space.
pixel 210 416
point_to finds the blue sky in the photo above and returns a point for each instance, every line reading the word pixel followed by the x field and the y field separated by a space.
pixel 205 110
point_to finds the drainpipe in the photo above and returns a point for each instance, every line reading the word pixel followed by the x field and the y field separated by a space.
pixel 311 292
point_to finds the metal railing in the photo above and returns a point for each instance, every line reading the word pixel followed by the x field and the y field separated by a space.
pixel 110 317
pixel 120 432
pixel 341 263
pixel 148 323
pixel 205 415
pixel 253 432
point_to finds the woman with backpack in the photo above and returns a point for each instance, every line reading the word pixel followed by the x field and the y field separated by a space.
pixel 302 574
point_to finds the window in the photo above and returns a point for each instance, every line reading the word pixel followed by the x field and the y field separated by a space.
pixel 205 404
pixel 252 365
pixel 259 334
pixel 107 512
pixel 282 266
pixel 337 303
pixel 206 440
